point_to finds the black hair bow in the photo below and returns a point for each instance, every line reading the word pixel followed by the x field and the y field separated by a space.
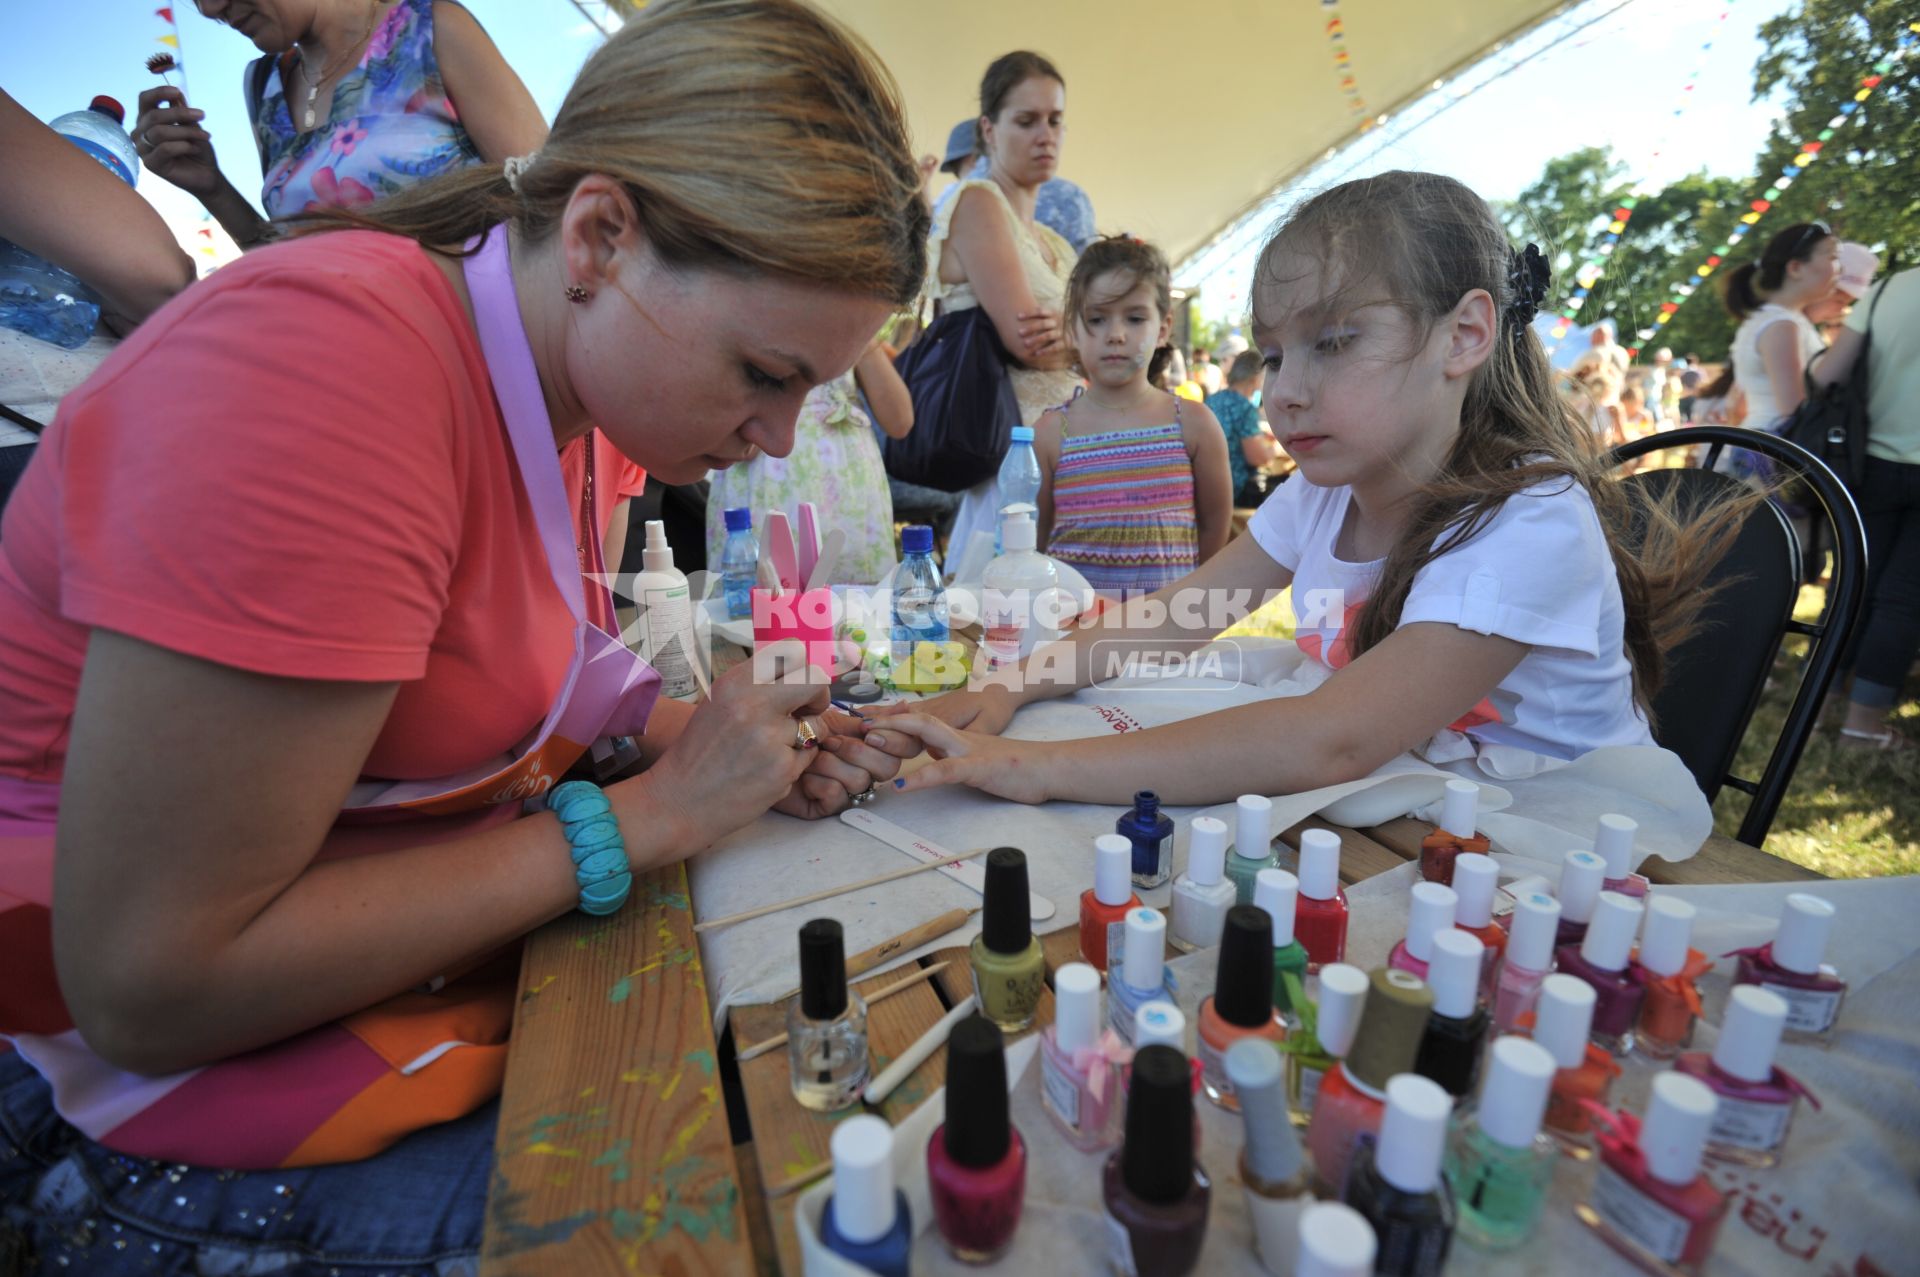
pixel 1528 275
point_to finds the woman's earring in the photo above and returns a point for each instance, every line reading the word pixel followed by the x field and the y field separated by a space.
pixel 577 293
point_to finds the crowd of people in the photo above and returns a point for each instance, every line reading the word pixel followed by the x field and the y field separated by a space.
pixel 299 594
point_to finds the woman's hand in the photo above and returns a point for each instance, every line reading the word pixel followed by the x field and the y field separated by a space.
pixel 174 145
pixel 985 710
pixel 1042 334
pixel 852 759
pixel 1011 769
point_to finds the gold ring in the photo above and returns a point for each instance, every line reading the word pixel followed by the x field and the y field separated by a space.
pixel 804 737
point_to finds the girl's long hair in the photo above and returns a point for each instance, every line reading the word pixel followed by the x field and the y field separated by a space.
pixel 1422 242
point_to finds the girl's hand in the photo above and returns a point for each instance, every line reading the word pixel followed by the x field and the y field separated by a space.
pixel 1010 769
pixel 985 710
pixel 173 144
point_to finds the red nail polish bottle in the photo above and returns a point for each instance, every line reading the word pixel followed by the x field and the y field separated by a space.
pixel 1320 917
pixel 1103 908
pixel 976 1161
pixel 1454 834
pixel 1650 1202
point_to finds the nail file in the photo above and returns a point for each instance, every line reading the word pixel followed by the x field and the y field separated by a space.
pixel 968 873
pixel 808 538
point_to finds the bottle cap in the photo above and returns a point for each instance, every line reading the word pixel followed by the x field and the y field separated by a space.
pixel 1243 982
pixel 1319 864
pixel 1454 973
pixel 1207 851
pixel 1112 867
pixel 1258 1076
pixel 1395 1018
pixel 1514 1096
pixel 109 107
pixel 1413 1133
pixel 1609 938
pixel 1751 1033
pixel 1475 879
pixel 1563 1018
pixel 1277 891
pixel 1582 874
pixel 1531 931
pixel 863 1178
pixel 656 555
pixel 1005 924
pixel 1076 1006
pixel 1144 965
pixel 1343 992
pixel 1160 1024
pixel 1253 827
pixel 1666 935
pixel 1805 923
pixel 1156 1163
pixel 1023 434
pixel 1335 1241
pixel 1430 912
pixel 823 969
pixel 1017 531
pixel 977 1127
pixel 917 538
pixel 740 520
pixel 1613 843
pixel 1674 1134
pixel 1459 807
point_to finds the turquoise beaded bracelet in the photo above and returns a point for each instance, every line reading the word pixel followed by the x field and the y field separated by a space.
pixel 599 856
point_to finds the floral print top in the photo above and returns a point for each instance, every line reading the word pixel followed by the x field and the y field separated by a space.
pixel 391 125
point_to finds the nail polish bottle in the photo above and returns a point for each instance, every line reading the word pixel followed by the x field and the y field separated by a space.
pixel 1272 1167
pixel 1278 892
pixel 1601 959
pixel 1335 1241
pixel 866 1220
pixel 1429 913
pixel 1242 1001
pixel 1103 907
pixel 1475 880
pixel 1397 1185
pixel 1499 1164
pixel 1079 1073
pixel 1164 1024
pixel 826 1024
pixel 1582 1071
pixel 1791 966
pixel 1454 834
pixel 976 1161
pixel 1757 1099
pixel 1252 845
pixel 1009 970
pixel 1202 895
pixel 1527 960
pixel 1156 1192
pixel 1353 1096
pixel 1666 966
pixel 1142 975
pixel 1457 1029
pixel 1650 1202
pixel 1613 843
pixel 1150 833
pixel 1320 922
pixel 1581 876
pixel 1325 1035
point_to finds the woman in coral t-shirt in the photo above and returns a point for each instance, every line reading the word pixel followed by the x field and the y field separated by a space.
pixel 297 601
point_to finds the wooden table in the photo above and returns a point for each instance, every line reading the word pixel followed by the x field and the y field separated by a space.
pixel 614 1153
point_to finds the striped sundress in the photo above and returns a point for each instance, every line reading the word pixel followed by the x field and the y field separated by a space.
pixel 1123 507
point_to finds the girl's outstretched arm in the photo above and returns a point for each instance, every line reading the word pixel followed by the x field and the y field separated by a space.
pixel 1424 677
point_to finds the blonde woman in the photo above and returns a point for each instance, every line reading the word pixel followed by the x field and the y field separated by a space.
pixel 288 638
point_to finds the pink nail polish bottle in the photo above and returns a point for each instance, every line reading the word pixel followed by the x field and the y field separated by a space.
pixel 1582 875
pixel 1791 966
pixel 1602 960
pixel 1527 960
pixel 1650 1202
pixel 1080 1086
pixel 1320 917
pixel 1757 1100
pixel 1613 843
pixel 976 1161
pixel 1430 912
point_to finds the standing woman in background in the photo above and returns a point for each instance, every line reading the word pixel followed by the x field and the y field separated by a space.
pixel 1775 340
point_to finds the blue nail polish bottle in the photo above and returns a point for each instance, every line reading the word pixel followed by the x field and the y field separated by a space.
pixel 867 1220
pixel 1151 834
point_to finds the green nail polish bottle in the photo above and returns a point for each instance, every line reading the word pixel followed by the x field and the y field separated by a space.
pixel 1008 969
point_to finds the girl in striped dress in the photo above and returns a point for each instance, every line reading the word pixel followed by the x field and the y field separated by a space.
pixel 1135 490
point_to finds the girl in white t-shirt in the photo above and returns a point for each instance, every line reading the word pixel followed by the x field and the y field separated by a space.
pixel 1450 538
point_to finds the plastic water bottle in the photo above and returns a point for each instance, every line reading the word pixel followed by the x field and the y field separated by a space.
pixel 1019 482
pixel 37 297
pixel 739 563
pixel 919 597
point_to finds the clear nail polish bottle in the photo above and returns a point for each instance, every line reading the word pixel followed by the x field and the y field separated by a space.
pixel 826 1024
pixel 1757 1099
pixel 1457 1029
pixel 1252 845
pixel 1454 834
pixel 1396 1183
pixel 1527 959
pixel 1613 843
pixel 1202 895
pixel 1079 1083
pixel 1650 1201
pixel 1429 912
pixel 1791 966
pixel 1278 892
pixel 1273 1168
pixel 1602 960
pixel 1498 1162
pixel 1582 875
pixel 1141 975
pixel 1666 966
pixel 1155 1191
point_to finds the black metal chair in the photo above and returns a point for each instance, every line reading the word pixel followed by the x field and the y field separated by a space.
pixel 1715 679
